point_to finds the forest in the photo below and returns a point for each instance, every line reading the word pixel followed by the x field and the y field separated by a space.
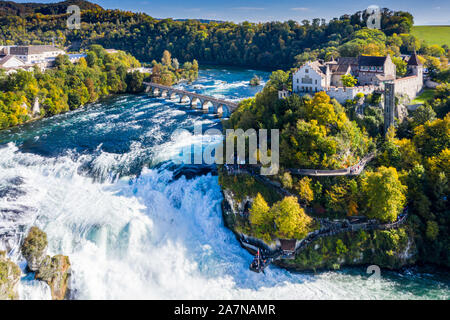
pixel 68 85
pixel 268 45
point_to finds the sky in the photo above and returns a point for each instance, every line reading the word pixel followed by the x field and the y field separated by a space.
pixel 428 12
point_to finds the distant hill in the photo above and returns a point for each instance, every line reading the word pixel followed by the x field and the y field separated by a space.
pixel 22 9
pixel 201 20
pixel 433 34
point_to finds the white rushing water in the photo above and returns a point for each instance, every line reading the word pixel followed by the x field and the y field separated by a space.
pixel 151 238
pixel 144 234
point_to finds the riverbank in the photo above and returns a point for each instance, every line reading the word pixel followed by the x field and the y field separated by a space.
pixel 104 185
pixel 391 249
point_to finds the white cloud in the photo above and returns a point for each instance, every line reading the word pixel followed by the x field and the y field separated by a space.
pixel 300 9
pixel 248 8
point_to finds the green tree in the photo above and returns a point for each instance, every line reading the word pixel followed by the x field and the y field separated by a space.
pixel 305 190
pixel 401 66
pixel 348 80
pixel 290 219
pixel 134 81
pixel 432 230
pixel 423 114
pixel 384 194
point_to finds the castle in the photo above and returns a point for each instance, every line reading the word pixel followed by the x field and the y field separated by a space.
pixel 370 71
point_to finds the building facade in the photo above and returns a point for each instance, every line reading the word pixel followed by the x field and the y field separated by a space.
pixel 35 54
pixel 370 71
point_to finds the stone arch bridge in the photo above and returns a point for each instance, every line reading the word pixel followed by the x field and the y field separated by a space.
pixel 219 106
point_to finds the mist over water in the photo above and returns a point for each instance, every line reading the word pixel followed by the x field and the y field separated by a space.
pixel 101 183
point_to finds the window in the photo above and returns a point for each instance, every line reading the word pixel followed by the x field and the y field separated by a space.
pixel 306 70
pixel 316 81
pixel 307 80
pixel 297 80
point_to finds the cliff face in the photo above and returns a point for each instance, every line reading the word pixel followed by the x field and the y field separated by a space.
pixel 9 278
pixel 391 249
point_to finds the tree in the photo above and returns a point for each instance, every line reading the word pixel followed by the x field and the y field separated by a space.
pixel 166 58
pixel 286 180
pixel 432 230
pixel 349 81
pixel 432 137
pixel 134 81
pixel 279 79
pixel 305 191
pixel 423 114
pixel 290 219
pixel 259 212
pixel 384 194
pixel 401 66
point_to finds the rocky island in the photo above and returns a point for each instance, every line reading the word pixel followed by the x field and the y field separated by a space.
pixel 55 271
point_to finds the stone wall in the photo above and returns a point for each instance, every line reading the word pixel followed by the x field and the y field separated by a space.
pixel 342 94
pixel 409 86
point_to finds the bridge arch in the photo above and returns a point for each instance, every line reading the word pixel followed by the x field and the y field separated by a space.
pixel 223 111
pixel 173 95
pixel 207 105
pixel 196 102
pixel 164 93
pixel 156 92
pixel 184 98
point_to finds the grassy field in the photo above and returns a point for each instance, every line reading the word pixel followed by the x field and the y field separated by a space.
pixel 433 34
pixel 426 94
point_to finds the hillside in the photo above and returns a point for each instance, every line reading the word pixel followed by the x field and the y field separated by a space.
pixel 439 35
pixel 22 9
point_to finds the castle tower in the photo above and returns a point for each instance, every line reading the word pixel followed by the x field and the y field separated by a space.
pixel 389 104
pixel 415 67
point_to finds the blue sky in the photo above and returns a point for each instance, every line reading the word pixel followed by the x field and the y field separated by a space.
pixel 427 12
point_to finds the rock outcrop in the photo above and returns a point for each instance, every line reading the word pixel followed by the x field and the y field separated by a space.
pixel 34 248
pixel 9 278
pixel 55 271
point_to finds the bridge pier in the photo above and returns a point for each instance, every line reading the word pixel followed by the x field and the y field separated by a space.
pixel 156 92
pixel 194 102
pixel 172 95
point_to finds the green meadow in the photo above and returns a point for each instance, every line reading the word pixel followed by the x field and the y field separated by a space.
pixel 433 34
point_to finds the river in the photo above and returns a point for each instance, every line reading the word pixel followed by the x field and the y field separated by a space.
pixel 101 182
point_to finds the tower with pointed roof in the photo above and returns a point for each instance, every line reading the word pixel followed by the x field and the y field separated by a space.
pixel 415 67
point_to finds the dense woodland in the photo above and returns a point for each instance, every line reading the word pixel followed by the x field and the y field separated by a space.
pixel 69 86
pixel 264 45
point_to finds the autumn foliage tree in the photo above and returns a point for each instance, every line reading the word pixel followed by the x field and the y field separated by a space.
pixel 384 194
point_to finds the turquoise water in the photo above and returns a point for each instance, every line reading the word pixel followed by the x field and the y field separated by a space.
pixel 102 183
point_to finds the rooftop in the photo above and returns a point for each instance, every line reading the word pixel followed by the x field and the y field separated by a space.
pixel 371 61
pixel 34 49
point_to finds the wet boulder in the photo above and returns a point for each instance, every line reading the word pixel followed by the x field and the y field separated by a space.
pixel 34 248
pixel 55 272
pixel 9 278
